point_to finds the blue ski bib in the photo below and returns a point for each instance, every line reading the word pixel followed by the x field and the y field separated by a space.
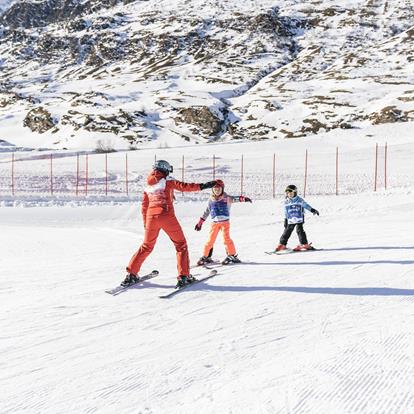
pixel 294 213
pixel 220 210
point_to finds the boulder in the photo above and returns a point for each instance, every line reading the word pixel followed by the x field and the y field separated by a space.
pixel 202 118
pixel 387 115
pixel 39 120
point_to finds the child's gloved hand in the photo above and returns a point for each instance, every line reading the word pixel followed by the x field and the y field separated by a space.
pixel 199 224
pixel 244 199
pixel 313 211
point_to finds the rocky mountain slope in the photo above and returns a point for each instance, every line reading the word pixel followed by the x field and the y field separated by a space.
pixel 121 73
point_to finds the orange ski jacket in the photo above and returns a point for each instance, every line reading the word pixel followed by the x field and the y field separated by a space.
pixel 159 194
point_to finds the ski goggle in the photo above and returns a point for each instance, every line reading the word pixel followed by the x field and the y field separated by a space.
pixel 289 191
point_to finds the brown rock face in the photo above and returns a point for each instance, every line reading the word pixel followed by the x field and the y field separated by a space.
pixel 388 115
pixel 41 13
pixel 39 120
pixel 202 118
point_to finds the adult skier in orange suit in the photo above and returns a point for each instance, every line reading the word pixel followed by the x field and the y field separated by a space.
pixel 158 214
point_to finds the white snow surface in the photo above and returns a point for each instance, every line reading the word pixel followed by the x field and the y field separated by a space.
pixel 321 332
pixel 4 4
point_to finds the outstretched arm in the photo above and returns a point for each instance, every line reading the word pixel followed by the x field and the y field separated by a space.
pixel 240 199
pixel 244 199
pixel 187 187
pixel 310 208
pixel 183 187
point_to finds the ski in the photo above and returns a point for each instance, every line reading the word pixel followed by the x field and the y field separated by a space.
pixel 118 289
pixel 287 251
pixel 211 274
pixel 221 264
pixel 206 265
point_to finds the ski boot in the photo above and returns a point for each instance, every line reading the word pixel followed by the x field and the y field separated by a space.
pixel 184 280
pixel 280 247
pixel 303 247
pixel 129 280
pixel 231 258
pixel 204 260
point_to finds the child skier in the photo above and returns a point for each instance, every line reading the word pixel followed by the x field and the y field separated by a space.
pixel 158 214
pixel 219 209
pixel 295 217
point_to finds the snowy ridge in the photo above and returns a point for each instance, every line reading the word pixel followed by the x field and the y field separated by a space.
pixel 129 75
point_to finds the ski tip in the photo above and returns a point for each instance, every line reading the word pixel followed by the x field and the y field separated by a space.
pixel 281 252
pixel 155 272
pixel 213 272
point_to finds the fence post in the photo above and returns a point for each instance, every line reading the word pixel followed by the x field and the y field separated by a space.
pixel 77 174
pixel 306 173
pixel 274 176
pixel 241 175
pixel 51 174
pixel 106 174
pixel 385 164
pixel 86 175
pixel 214 167
pixel 337 171
pixel 12 175
pixel 376 167
pixel 126 173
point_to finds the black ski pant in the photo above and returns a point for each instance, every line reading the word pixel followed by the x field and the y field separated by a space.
pixel 288 231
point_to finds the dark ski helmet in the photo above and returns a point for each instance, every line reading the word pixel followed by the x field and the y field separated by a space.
pixel 163 166
pixel 291 189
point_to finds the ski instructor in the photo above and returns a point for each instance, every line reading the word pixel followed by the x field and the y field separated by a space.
pixel 158 214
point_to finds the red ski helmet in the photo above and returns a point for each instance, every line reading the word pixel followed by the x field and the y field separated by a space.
pixel 219 184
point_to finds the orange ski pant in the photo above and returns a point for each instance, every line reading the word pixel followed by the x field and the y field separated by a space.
pixel 171 226
pixel 224 227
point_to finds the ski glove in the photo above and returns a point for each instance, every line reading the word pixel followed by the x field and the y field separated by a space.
pixel 199 224
pixel 209 184
pixel 313 211
pixel 244 199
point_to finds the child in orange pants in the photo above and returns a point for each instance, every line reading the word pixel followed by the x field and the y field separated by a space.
pixel 219 209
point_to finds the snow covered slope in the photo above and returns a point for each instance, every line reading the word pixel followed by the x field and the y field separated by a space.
pixel 322 332
pixel 123 74
pixel 4 4
pixel 311 333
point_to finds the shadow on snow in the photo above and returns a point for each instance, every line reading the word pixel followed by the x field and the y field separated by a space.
pixel 358 291
pixel 341 249
pixel 333 263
